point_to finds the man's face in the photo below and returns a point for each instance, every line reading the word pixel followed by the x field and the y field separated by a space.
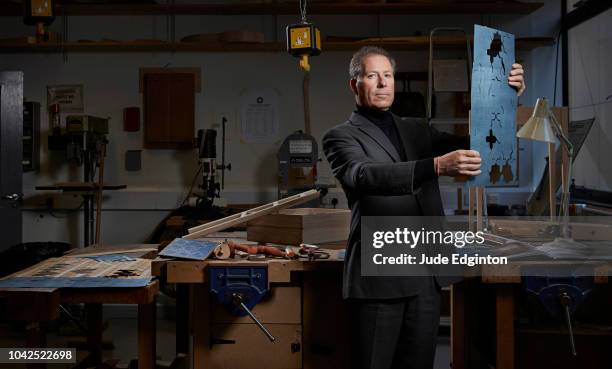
pixel 375 88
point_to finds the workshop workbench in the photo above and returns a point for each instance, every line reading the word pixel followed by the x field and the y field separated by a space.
pixel 304 306
pixel 321 288
pixel 505 283
pixel 36 305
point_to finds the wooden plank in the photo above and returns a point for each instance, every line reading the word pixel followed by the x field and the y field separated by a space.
pixel 414 43
pixel 139 295
pixel 104 273
pixel 280 272
pixel 261 210
pixel 245 216
pixel 142 250
pixel 504 327
pixel 196 72
pixel 146 335
pixel 31 304
pixel 158 266
pixel 186 271
pixel 510 273
pixel 183 326
pixel 200 315
pixel 94 332
pixel 531 228
pixel 251 349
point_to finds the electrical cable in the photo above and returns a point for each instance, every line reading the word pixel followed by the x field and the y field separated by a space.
pixel 195 177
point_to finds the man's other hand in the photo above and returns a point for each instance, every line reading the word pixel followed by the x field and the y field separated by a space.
pixel 516 80
pixel 458 162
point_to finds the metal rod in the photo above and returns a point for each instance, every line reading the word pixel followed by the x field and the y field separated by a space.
pixel 72 318
pixel 569 328
pixel 565 182
pixel 223 124
pixel 99 197
pixel 266 332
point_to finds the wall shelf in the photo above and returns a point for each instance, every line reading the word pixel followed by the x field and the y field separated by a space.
pixel 435 7
pixel 396 44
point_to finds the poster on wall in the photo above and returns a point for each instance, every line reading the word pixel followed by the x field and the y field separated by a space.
pixel 69 98
pixel 259 116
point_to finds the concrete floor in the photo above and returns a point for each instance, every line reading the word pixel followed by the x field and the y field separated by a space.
pixel 122 331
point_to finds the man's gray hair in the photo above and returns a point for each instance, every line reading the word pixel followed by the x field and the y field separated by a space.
pixel 355 67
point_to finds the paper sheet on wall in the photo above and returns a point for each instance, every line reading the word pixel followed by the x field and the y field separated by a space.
pixel 494 104
pixel 259 116
pixel 69 98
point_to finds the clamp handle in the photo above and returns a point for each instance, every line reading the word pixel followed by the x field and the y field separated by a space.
pixel 239 301
pixel 566 301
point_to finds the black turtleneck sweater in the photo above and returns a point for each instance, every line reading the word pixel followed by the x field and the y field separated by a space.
pixel 383 119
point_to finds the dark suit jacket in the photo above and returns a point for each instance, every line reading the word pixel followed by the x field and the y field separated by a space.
pixel 377 183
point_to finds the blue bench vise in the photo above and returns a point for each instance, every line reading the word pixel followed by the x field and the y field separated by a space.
pixel 560 296
pixel 239 288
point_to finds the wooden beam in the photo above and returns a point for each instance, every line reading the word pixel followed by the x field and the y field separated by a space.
pixel 31 304
pixel 471 7
pixel 201 325
pixel 396 44
pixel 146 335
pixel 504 344
pixel 243 217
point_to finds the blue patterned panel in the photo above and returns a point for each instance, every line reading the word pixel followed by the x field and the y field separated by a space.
pixel 74 282
pixel 493 115
pixel 189 249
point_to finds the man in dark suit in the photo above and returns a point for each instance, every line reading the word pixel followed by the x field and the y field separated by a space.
pixel 389 166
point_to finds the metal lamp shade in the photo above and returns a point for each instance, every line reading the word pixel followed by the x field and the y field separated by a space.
pixel 539 127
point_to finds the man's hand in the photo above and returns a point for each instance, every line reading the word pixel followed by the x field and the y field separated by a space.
pixel 459 162
pixel 516 80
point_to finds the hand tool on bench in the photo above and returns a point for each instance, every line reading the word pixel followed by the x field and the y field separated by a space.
pixel 261 249
pixel 312 252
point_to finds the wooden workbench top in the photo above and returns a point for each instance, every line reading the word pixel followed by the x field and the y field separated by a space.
pixel 279 270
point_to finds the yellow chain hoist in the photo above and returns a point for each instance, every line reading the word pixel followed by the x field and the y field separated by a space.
pixel 303 39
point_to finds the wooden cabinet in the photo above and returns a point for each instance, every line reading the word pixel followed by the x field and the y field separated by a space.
pixel 169 110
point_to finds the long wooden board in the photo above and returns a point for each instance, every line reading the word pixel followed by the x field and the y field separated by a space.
pixel 245 216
